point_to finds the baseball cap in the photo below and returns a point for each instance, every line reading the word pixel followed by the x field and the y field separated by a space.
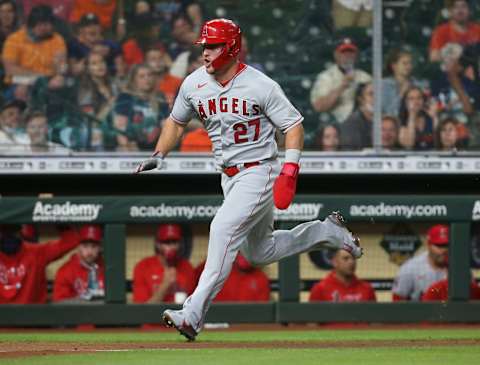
pixel 438 235
pixel 346 44
pixel 88 19
pixel 169 232
pixel 90 233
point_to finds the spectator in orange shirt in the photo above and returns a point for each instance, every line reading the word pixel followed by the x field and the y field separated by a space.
pixel 35 49
pixel 165 276
pixel 459 29
pixel 439 291
pixel 32 51
pixel 82 278
pixel 104 9
pixel 196 139
pixel 342 285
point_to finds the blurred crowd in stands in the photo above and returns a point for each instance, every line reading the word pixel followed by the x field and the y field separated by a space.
pixel 102 75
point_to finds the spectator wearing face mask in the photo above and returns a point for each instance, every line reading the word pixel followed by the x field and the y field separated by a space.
pixel 165 276
pixel 356 131
pixel 22 265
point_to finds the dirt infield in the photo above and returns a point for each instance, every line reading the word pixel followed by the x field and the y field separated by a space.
pixel 11 349
pixel 26 349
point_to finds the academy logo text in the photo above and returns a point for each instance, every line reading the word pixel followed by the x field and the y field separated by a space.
pixel 398 210
pixel 65 212
pixel 173 211
pixel 301 211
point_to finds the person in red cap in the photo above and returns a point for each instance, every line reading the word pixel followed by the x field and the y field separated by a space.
pixel 341 284
pixel 334 88
pixel 417 274
pixel 246 283
pixel 22 264
pixel 82 278
pixel 165 276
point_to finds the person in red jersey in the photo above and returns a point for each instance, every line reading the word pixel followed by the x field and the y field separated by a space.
pixel 246 283
pixel 22 265
pixel 165 276
pixel 341 284
pixel 82 278
pixel 439 291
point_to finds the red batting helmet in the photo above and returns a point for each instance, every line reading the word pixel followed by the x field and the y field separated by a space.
pixel 222 31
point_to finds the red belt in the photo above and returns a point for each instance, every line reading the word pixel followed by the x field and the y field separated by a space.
pixel 233 170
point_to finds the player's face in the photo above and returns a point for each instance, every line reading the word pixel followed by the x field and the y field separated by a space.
pixel 460 11
pixel 448 135
pixel 439 255
pixel 37 130
pixel 403 67
pixel 344 263
pixel 330 139
pixel 89 252
pixel 210 52
pixel 389 133
pixel 97 66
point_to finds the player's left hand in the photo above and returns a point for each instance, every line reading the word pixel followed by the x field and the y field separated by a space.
pixel 285 185
pixel 154 162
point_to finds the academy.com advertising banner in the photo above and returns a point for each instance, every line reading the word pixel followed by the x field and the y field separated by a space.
pixel 144 209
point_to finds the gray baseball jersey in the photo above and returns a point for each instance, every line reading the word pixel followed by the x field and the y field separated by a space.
pixel 240 117
pixel 415 276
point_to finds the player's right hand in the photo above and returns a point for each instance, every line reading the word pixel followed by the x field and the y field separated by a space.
pixel 154 162
pixel 285 185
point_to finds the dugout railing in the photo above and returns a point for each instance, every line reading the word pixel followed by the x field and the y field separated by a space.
pixel 117 211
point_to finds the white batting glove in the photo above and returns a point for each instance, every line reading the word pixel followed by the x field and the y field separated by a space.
pixel 154 162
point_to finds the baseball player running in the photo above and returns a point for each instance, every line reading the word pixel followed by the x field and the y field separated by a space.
pixel 241 109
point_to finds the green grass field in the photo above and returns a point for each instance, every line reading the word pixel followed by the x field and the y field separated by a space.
pixel 377 347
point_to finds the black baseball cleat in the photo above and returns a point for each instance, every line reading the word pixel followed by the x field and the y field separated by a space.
pixel 173 319
pixel 351 243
